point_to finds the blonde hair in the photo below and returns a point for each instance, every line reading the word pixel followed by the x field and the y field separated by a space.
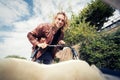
pixel 66 20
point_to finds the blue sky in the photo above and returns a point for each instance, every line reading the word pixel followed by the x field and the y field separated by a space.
pixel 18 17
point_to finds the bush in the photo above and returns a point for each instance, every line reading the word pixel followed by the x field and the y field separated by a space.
pixel 80 33
pixel 103 52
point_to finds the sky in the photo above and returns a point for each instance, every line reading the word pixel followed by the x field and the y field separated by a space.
pixel 18 17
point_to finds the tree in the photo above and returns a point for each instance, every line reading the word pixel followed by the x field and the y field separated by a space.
pixel 96 13
pixel 80 33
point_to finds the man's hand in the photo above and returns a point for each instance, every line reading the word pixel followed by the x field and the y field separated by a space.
pixel 42 45
pixel 61 42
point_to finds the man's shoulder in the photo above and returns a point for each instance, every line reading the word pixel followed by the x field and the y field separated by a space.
pixel 46 26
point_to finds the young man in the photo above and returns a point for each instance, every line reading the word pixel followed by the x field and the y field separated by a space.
pixel 48 34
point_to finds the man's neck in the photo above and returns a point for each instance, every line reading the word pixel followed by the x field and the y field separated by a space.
pixel 55 29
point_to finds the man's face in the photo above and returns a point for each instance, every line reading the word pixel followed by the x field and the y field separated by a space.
pixel 59 20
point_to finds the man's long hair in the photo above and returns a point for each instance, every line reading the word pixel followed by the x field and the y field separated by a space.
pixel 65 26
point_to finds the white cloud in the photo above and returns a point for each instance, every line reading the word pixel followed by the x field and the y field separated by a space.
pixel 11 10
pixel 16 42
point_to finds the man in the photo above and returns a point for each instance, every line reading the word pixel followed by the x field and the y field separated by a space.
pixel 46 34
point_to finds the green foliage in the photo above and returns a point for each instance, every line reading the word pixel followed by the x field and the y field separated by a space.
pixel 103 52
pixel 96 13
pixel 79 32
pixel 14 56
pixel 95 48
